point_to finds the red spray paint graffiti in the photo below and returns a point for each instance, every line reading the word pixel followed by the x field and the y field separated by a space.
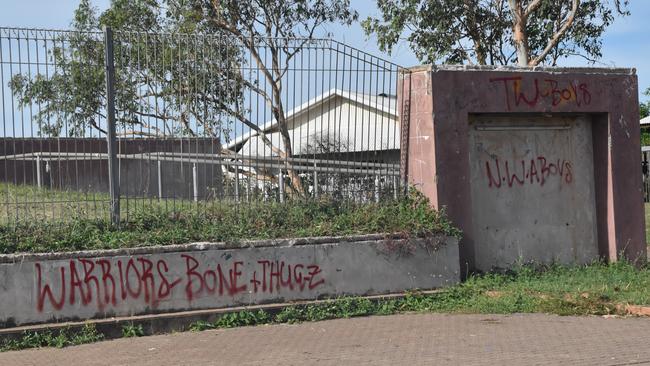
pixel 106 282
pixel 545 90
pixel 534 171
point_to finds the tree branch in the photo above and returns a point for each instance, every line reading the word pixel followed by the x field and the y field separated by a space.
pixel 558 35
pixel 473 32
pixel 532 6
pixel 250 124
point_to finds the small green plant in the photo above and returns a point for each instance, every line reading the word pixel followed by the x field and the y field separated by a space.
pixel 57 338
pixel 242 318
pixel 200 325
pixel 132 330
pixel 289 314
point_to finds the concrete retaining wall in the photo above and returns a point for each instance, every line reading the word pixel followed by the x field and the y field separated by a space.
pixel 38 288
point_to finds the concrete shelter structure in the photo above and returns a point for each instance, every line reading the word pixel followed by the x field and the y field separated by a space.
pixel 533 164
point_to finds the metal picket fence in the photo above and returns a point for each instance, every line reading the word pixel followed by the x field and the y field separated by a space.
pixel 107 123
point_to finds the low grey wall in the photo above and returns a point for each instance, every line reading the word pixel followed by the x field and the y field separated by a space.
pixel 38 288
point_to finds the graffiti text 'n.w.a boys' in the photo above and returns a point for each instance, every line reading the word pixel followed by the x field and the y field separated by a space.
pixel 536 171
pixel 103 282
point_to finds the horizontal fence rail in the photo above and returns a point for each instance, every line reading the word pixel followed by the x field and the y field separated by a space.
pixel 108 124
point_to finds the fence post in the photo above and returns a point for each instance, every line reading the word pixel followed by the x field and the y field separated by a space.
pixel 395 185
pixel 315 180
pixel 236 183
pixel 404 101
pixel 160 187
pixel 376 188
pixel 39 176
pixel 195 182
pixel 113 167
pixel 281 185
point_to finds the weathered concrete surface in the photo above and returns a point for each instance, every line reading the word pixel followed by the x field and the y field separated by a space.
pixel 443 99
pixel 532 190
pixel 68 286
pixel 414 339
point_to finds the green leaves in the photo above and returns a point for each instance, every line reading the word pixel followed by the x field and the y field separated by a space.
pixel 644 108
pixel 270 18
pixel 53 338
pixel 166 83
pixel 480 31
pixel 131 330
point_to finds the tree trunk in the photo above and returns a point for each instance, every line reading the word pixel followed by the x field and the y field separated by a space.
pixel 293 175
pixel 278 111
pixel 474 33
pixel 521 44
pixel 519 35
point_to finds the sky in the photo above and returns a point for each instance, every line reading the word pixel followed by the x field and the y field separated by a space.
pixel 626 42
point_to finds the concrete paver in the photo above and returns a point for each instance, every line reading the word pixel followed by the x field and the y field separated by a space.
pixel 410 339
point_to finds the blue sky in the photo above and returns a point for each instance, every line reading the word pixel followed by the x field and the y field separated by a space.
pixel 626 44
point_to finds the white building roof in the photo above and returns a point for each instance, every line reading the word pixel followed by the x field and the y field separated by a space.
pixel 314 137
pixel 379 131
pixel 645 121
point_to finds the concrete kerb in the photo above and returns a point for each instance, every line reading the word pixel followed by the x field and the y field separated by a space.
pixel 163 323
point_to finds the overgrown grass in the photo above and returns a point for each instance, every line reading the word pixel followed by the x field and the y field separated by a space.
pixel 28 202
pixel 230 223
pixel 581 290
pixel 586 290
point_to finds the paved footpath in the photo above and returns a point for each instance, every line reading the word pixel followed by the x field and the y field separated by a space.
pixel 414 339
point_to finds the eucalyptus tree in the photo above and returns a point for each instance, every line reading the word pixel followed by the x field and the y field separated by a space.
pixel 282 29
pixel 496 32
pixel 167 80
pixel 165 83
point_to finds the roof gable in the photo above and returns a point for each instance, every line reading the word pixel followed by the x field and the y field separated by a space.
pixel 385 104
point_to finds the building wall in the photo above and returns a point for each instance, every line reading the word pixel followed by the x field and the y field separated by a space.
pixel 138 177
pixel 337 123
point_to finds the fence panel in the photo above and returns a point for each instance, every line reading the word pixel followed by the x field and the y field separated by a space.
pixel 199 120
pixel 53 164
